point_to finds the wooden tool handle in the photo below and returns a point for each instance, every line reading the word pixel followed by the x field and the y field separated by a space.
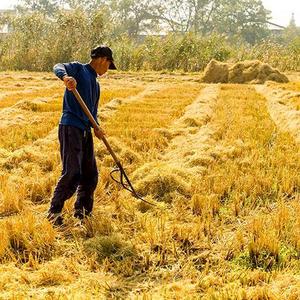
pixel 94 123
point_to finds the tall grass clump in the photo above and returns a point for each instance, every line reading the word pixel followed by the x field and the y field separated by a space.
pixel 111 247
pixel 188 52
pixel 26 236
pixel 285 57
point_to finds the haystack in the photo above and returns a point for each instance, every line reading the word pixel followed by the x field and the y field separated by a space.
pixel 161 181
pixel 216 72
pixel 254 72
pixel 249 71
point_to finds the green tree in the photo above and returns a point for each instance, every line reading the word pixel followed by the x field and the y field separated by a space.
pixel 89 6
pixel 246 18
pixel 134 17
pixel 291 32
pixel 46 7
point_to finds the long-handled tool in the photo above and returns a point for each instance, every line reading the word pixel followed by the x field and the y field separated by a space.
pixel 119 167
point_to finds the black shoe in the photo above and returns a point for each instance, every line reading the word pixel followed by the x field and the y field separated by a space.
pixel 79 214
pixel 55 218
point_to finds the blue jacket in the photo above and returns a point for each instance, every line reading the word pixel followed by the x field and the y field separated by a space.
pixel 89 89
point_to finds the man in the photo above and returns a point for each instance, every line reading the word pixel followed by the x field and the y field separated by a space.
pixel 79 169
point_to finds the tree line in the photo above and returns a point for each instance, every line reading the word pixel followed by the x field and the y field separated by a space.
pixel 145 34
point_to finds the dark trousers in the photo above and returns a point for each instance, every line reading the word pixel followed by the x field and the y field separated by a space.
pixel 79 170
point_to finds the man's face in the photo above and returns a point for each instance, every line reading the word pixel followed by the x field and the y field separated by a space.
pixel 102 65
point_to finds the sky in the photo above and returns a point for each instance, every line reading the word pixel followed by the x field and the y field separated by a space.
pixel 281 9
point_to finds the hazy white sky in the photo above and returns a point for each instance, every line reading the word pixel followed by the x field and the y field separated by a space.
pixel 281 9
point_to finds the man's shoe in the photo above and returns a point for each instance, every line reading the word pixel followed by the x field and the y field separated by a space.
pixel 79 214
pixel 55 218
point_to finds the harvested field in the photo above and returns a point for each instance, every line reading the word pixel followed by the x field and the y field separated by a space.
pixel 220 161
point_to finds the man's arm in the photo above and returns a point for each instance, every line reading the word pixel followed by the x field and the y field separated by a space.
pixel 66 72
pixel 63 69
pixel 60 71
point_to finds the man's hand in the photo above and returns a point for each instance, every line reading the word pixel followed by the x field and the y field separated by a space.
pixel 70 83
pixel 99 133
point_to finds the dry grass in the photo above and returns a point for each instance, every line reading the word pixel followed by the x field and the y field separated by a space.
pixel 284 109
pixel 227 178
pixel 161 108
pixel 292 86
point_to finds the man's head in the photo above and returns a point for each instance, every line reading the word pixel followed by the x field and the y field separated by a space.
pixel 102 59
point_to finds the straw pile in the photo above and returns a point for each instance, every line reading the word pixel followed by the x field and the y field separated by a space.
pixel 216 72
pixel 250 71
pixel 185 158
pixel 161 181
pixel 285 115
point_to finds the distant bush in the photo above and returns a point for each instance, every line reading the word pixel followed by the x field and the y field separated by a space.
pixel 283 57
pixel 188 52
pixel 37 43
